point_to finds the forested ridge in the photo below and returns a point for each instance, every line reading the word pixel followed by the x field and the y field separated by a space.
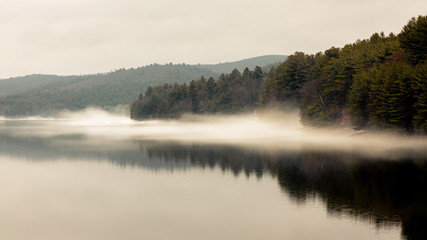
pixel 45 95
pixel 380 82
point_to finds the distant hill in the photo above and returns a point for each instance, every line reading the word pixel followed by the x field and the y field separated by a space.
pixel 35 95
pixel 250 63
pixel 21 84
pixel 184 73
pixel 46 94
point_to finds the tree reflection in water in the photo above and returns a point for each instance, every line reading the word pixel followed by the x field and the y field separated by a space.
pixel 380 191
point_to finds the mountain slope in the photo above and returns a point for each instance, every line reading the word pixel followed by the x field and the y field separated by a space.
pixel 18 85
pixel 250 63
pixel 46 94
pixel 77 92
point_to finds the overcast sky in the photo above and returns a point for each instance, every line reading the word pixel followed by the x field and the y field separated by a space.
pixel 91 36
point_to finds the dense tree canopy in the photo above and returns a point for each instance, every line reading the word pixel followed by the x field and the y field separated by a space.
pixel 230 93
pixel 413 39
pixel 380 82
pixel 393 94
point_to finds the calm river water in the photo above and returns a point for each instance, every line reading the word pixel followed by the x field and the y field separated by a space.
pixel 70 179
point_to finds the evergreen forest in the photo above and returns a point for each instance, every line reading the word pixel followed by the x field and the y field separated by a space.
pixel 375 83
pixel 229 94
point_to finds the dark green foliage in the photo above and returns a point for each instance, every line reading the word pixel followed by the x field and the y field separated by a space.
pixel 413 39
pixel 420 88
pixel 231 93
pixel 289 78
pixel 379 82
pixel 393 95
pixel 320 84
pixel 392 98
pixel 360 98
pixel 333 74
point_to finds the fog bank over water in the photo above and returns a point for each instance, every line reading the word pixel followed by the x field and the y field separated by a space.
pixel 262 170
pixel 273 130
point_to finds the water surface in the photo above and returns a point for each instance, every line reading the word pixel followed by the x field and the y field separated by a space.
pixel 72 179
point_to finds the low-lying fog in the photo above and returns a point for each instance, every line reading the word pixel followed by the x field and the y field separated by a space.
pixel 281 131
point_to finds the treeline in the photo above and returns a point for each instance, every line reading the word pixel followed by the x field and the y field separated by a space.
pixel 230 93
pixel 380 82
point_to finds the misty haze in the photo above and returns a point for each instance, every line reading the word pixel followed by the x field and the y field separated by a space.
pixel 133 179
pixel 279 119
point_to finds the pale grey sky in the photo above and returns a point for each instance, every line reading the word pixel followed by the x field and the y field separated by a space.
pixel 90 36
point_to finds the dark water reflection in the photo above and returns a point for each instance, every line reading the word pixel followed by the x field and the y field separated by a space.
pixel 379 191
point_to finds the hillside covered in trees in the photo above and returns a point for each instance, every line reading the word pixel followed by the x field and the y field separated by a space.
pixel 46 94
pixel 380 82
pixel 101 90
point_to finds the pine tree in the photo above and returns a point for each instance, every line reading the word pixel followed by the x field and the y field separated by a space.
pixel 420 85
pixel 413 39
